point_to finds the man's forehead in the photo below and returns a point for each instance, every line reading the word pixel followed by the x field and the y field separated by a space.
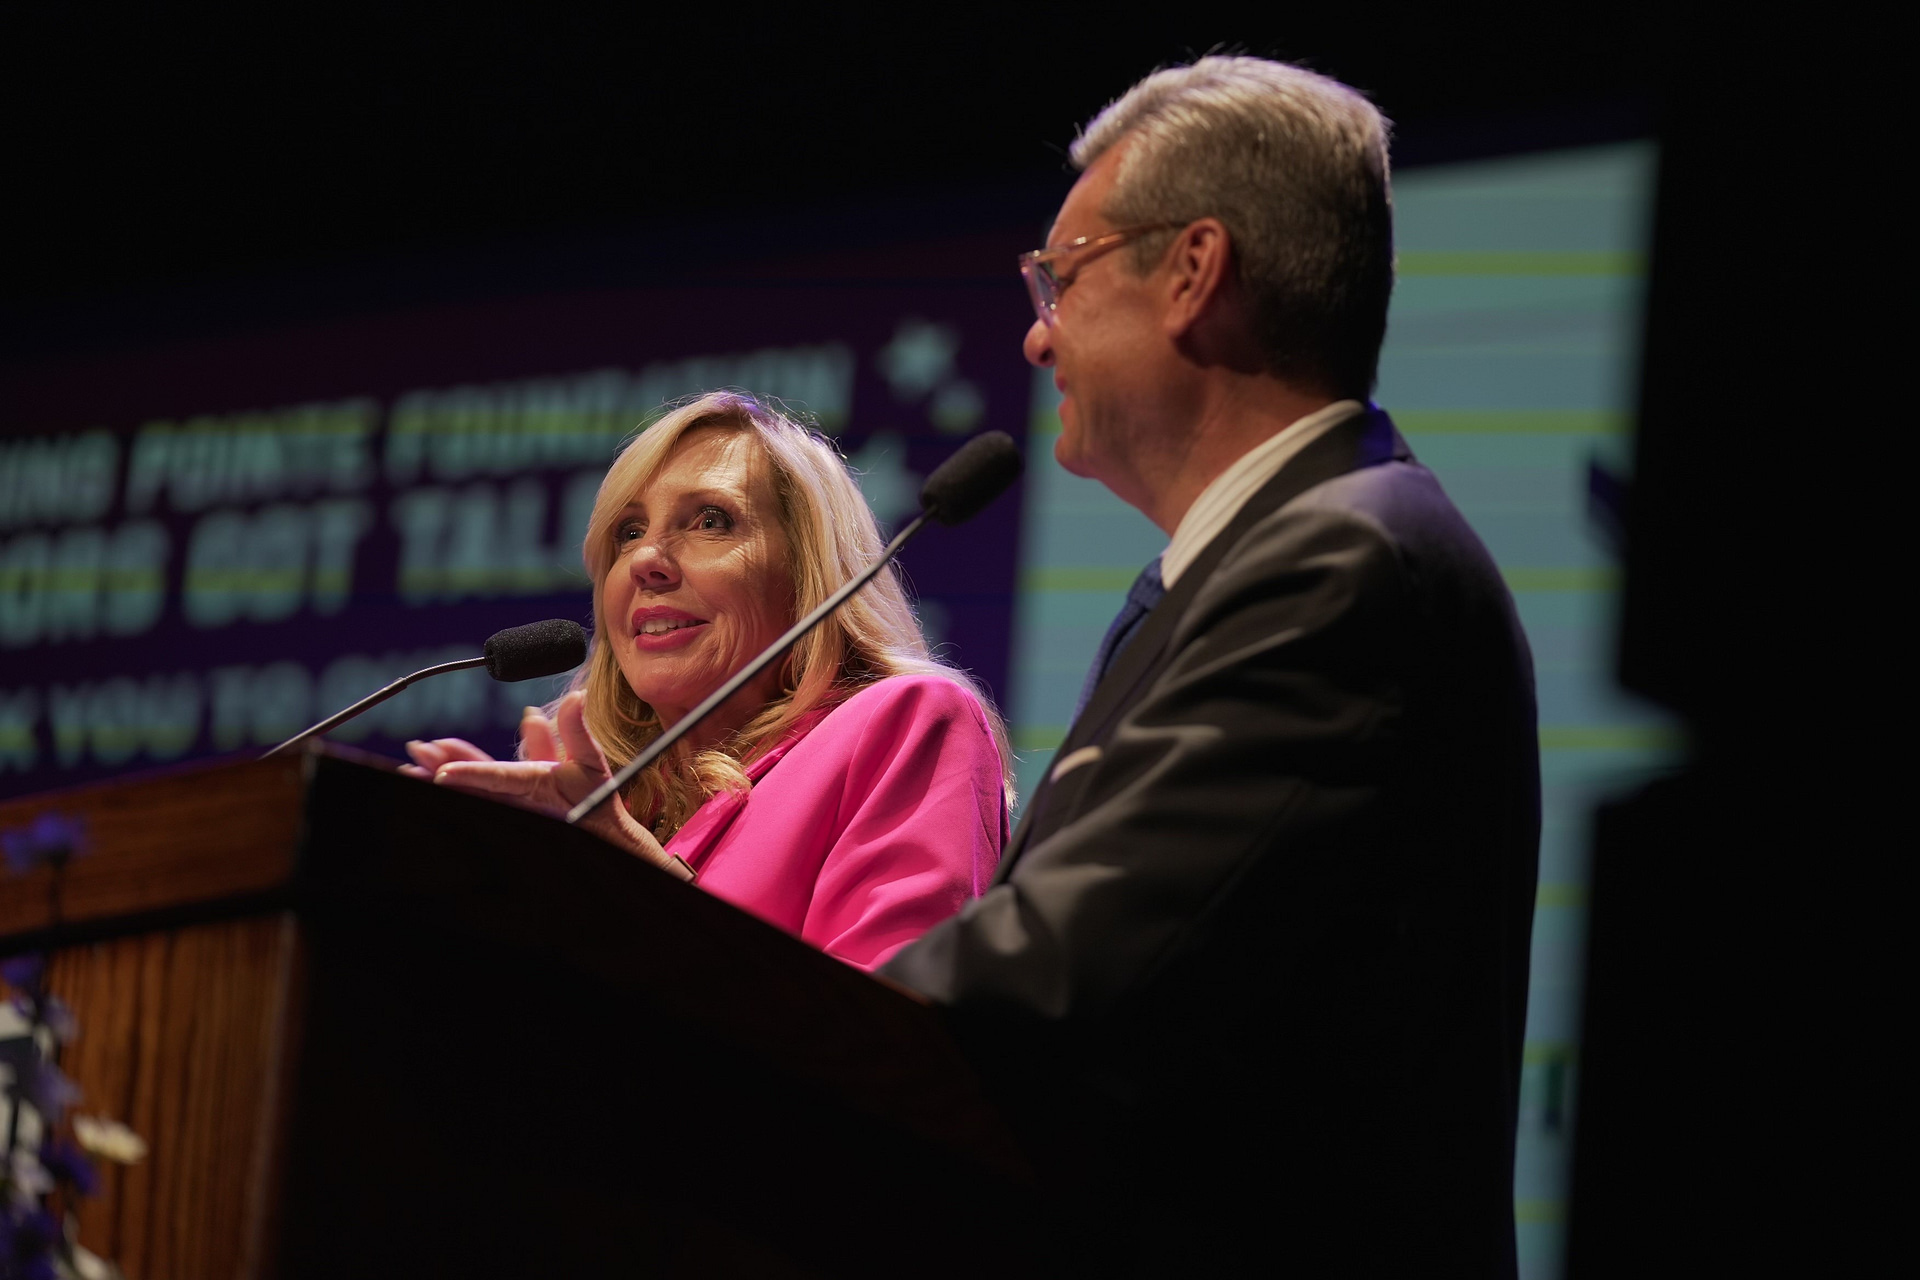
pixel 1080 213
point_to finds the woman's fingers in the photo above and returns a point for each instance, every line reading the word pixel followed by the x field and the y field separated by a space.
pixel 528 782
pixel 587 766
pixel 425 755
pixel 431 755
pixel 538 740
pixel 581 749
pixel 553 783
pixel 563 765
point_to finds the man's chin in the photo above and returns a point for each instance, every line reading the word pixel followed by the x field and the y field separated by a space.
pixel 1069 456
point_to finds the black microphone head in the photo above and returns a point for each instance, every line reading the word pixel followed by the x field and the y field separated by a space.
pixel 535 649
pixel 978 472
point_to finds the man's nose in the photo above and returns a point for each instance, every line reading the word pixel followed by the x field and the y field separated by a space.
pixel 1038 345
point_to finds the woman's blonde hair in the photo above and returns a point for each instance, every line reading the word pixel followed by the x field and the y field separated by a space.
pixel 832 535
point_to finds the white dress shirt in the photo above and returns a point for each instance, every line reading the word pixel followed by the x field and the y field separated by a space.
pixel 1221 501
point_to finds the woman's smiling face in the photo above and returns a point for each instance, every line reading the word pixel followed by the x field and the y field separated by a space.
pixel 702 575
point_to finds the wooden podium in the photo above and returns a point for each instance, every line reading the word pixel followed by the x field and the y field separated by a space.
pixel 371 1027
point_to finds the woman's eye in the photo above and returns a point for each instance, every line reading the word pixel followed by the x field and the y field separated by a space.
pixel 712 518
pixel 630 530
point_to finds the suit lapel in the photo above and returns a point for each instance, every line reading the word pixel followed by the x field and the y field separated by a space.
pixel 1363 440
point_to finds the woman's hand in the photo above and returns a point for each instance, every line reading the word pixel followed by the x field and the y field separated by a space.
pixel 563 766
pixel 429 756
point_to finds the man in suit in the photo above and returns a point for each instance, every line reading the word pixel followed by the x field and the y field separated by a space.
pixel 1252 975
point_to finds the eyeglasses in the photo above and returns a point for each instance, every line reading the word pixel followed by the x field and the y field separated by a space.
pixel 1045 284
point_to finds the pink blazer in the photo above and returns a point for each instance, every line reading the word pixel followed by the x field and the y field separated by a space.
pixel 866 826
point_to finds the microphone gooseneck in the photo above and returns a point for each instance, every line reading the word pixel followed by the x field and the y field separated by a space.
pixel 977 473
pixel 518 653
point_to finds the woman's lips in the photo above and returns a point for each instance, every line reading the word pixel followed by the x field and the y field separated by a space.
pixel 655 630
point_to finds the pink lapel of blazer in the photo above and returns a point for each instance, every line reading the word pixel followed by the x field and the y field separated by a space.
pixel 702 833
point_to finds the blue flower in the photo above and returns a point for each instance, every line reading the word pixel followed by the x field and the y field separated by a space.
pixel 45 1087
pixel 22 973
pixel 25 1181
pixel 51 838
pixel 27 1241
pixel 56 1017
pixel 64 1161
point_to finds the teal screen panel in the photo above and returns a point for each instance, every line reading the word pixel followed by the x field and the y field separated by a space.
pixel 1509 366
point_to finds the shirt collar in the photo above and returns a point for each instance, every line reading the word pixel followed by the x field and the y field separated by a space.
pixel 1221 501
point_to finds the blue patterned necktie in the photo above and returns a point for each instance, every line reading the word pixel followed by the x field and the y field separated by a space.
pixel 1146 592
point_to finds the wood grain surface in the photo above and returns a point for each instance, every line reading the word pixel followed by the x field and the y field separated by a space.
pixel 265 1053
pixel 180 1038
pixel 166 840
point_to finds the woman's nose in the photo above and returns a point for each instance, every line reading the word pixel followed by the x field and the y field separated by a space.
pixel 652 566
pixel 1038 345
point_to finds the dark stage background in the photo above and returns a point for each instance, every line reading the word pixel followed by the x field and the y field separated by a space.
pixel 170 146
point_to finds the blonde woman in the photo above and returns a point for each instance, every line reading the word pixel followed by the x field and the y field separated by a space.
pixel 856 794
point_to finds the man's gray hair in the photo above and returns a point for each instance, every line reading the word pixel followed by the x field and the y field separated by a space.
pixel 1295 166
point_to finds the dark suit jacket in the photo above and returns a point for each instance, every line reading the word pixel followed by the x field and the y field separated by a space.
pixel 1253 980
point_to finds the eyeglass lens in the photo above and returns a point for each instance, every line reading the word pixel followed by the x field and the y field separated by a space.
pixel 1043 287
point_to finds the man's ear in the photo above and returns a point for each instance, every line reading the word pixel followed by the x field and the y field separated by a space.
pixel 1200 263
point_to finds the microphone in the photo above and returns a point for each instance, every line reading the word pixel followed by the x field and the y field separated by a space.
pixel 978 472
pixel 534 649
pixel 518 653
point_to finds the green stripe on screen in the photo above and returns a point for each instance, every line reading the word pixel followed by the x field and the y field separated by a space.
pixel 1553 737
pixel 1594 578
pixel 1038 737
pixel 1602 737
pixel 1561 895
pixel 1545 422
pixel 1520 263
pixel 1532 1210
pixel 1415 422
pixel 1540 1053
pixel 1078 578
